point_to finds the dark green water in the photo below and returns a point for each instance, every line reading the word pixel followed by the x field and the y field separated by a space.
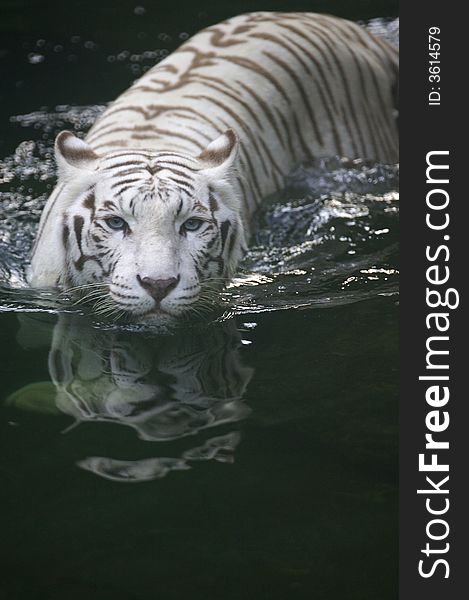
pixel 250 458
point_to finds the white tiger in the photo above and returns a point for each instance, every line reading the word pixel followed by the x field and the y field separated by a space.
pixel 152 211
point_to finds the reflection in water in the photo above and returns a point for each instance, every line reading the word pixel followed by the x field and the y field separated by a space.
pixel 165 388
pixel 218 448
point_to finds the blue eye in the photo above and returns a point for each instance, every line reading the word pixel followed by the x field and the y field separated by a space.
pixel 192 224
pixel 116 223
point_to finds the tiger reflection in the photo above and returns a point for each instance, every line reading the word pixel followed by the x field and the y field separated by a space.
pixel 165 388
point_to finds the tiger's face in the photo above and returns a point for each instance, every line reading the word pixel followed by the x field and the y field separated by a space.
pixel 149 235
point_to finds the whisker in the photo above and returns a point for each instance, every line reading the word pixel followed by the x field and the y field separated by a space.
pixel 83 287
pixel 96 294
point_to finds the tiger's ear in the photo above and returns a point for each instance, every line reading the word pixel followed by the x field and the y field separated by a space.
pixel 220 155
pixel 73 155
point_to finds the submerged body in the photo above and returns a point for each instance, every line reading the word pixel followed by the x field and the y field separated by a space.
pixel 152 211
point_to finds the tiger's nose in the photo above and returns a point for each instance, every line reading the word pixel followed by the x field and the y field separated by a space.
pixel 158 288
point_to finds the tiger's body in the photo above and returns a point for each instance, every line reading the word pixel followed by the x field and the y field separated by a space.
pixel 272 90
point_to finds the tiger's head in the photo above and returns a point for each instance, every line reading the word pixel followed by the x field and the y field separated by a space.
pixel 148 234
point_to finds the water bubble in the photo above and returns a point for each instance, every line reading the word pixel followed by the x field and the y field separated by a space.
pixel 35 58
pixel 140 10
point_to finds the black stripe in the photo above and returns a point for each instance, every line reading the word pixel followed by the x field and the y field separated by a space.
pixel 286 128
pixel 125 182
pixel 239 121
pixel 330 45
pixel 211 81
pixel 252 66
pixel 78 223
pixel 224 228
pixel 65 235
pixel 265 107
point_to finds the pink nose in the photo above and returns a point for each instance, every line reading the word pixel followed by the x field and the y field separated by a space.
pixel 158 288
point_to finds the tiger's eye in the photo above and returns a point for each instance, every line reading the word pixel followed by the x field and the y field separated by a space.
pixel 116 223
pixel 192 224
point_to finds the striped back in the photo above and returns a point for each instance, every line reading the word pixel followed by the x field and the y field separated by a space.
pixel 293 86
